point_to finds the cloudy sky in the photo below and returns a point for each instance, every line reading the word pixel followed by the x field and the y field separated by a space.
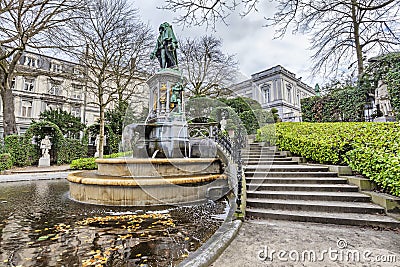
pixel 247 38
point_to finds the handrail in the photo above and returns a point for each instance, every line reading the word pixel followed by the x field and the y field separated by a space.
pixel 233 146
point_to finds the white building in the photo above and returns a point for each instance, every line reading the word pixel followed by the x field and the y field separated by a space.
pixel 43 82
pixel 276 88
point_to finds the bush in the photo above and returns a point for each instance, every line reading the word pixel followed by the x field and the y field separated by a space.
pixel 22 152
pixel 90 163
pixel 372 149
pixel 83 164
pixel 5 161
pixel 71 149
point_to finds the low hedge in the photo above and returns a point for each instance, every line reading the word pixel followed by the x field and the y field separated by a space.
pixel 90 163
pixel 372 149
pixel 5 161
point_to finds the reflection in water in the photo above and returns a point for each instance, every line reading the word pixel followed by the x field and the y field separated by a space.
pixel 40 226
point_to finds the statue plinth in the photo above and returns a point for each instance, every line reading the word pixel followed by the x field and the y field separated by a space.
pixel 44 162
pixel 166 122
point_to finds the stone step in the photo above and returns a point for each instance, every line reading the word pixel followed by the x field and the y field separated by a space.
pixel 303 187
pixel 263 157
pixel 315 205
pixel 259 149
pixel 286 168
pixel 307 195
pixel 258 160
pixel 271 162
pixel 260 154
pixel 325 217
pixel 296 180
pixel 266 173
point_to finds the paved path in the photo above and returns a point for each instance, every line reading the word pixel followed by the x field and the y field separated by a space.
pixel 35 173
pixel 254 237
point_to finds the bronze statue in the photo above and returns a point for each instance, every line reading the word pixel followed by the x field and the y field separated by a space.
pixel 166 46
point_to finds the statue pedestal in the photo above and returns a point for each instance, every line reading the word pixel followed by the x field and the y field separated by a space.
pixel 167 129
pixel 44 162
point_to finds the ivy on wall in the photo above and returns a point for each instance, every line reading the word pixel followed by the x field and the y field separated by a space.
pixel 385 68
pixel 342 104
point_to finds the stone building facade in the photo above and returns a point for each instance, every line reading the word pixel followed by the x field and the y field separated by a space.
pixel 276 88
pixel 42 83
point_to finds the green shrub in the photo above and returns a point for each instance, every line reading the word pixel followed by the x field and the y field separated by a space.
pixel 5 161
pixel 21 150
pixel 90 163
pixel 372 149
pixel 84 164
pixel 71 149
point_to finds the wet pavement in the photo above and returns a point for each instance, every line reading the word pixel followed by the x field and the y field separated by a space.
pixel 285 244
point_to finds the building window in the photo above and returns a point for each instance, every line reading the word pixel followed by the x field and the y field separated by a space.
pixel 76 111
pixel 289 93
pixel 26 110
pixel 267 93
pixel 55 88
pixel 31 62
pixel 56 67
pixel 29 84
pixel 298 97
pixel 76 91
pixel 77 71
pixel 12 86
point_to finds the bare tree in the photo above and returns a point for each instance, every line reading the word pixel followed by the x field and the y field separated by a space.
pixel 343 33
pixel 26 25
pixel 208 69
pixel 132 62
pixel 115 44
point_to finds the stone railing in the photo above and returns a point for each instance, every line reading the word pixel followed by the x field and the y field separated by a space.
pixel 230 146
pixel 233 147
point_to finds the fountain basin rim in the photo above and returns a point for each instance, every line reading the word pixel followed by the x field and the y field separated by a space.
pixel 156 160
pixel 81 177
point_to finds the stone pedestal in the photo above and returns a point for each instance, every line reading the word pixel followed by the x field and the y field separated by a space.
pixel 44 162
pixel 168 130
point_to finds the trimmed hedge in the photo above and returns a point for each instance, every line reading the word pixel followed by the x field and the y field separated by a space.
pixel 90 163
pixel 5 161
pixel 71 149
pixel 372 149
pixel 83 164
pixel 22 152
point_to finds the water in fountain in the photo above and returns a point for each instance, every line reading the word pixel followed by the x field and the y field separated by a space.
pixel 41 226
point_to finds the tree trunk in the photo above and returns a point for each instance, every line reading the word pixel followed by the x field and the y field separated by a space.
pixel 356 25
pixel 9 124
pixel 101 141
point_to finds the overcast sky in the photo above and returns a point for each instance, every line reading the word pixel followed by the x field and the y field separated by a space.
pixel 254 45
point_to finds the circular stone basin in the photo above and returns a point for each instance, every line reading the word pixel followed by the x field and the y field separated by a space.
pixel 144 182
pixel 149 167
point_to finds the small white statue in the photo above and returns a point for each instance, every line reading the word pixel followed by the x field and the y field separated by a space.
pixel 97 144
pixel 45 145
pixel 223 121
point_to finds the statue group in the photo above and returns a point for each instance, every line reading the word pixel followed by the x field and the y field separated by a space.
pixel 166 46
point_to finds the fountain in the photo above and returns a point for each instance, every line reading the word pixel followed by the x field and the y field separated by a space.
pixel 166 167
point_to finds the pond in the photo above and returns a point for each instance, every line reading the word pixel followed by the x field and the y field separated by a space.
pixel 41 226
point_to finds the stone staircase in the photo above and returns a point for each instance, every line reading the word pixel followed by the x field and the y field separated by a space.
pixel 278 187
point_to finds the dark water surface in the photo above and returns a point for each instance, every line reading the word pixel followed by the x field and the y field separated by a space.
pixel 41 226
